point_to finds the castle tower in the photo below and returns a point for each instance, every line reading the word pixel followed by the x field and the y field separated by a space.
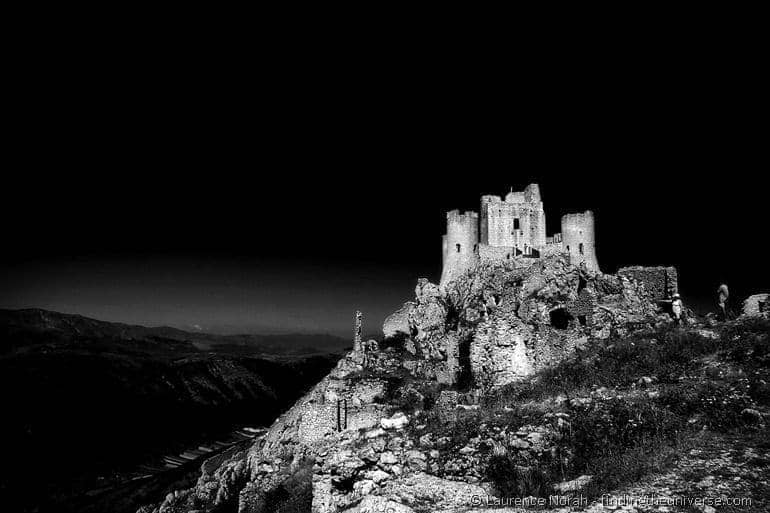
pixel 485 209
pixel 460 244
pixel 577 236
pixel 537 215
pixel 517 221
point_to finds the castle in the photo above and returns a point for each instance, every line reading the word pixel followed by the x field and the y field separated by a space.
pixel 513 227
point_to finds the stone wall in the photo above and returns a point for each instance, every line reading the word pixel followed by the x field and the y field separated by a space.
pixel 658 282
pixel 757 305
pixel 489 253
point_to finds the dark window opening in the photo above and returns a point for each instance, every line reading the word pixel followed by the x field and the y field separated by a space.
pixel 567 249
pixel 582 320
pixel 581 284
pixel 458 247
pixel 580 248
pixel 508 256
pixel 465 379
pixel 515 223
pixel 560 318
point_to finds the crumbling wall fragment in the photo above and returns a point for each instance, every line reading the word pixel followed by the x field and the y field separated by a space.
pixel 659 282
pixel 757 305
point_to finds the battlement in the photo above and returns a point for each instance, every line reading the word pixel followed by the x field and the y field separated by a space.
pixel 456 216
pixel 578 217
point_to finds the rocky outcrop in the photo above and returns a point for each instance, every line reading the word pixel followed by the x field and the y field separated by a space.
pixel 520 319
pixel 397 323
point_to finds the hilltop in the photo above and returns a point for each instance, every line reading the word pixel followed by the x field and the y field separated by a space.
pixel 521 378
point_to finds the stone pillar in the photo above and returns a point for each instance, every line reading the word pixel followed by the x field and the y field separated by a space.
pixel 357 332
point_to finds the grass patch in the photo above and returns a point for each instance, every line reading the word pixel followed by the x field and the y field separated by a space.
pixel 615 441
pixel 666 353
pixel 619 440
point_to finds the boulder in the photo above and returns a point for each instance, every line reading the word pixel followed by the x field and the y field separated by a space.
pixel 397 323
pixel 397 421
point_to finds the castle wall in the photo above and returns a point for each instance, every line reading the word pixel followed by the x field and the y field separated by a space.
pixel 484 222
pixel 577 235
pixel 658 282
pixel 551 249
pixel 489 253
pixel 460 244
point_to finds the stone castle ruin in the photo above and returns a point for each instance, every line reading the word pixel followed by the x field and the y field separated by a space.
pixel 511 302
pixel 513 227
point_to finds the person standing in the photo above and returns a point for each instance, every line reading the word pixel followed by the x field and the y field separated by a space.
pixel 676 308
pixel 722 295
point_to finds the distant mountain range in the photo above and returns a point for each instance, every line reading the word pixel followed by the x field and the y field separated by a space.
pixel 70 327
pixel 87 400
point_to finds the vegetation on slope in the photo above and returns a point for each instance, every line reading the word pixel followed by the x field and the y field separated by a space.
pixel 619 410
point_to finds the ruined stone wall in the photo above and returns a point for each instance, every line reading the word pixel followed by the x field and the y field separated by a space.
pixel 658 282
pixel 757 305
pixel 552 248
pixel 577 233
pixel 496 253
pixel 460 244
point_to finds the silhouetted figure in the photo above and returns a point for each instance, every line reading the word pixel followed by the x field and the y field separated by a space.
pixel 722 295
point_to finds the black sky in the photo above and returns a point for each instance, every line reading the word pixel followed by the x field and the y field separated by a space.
pixel 284 198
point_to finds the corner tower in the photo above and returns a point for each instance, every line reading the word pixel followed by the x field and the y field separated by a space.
pixel 577 236
pixel 460 244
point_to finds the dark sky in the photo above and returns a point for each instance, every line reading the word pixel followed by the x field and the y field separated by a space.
pixel 285 198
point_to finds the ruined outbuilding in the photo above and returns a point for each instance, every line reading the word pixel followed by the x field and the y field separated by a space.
pixel 757 305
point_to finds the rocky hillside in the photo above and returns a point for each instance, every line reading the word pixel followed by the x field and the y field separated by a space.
pixel 526 379
pixel 86 400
